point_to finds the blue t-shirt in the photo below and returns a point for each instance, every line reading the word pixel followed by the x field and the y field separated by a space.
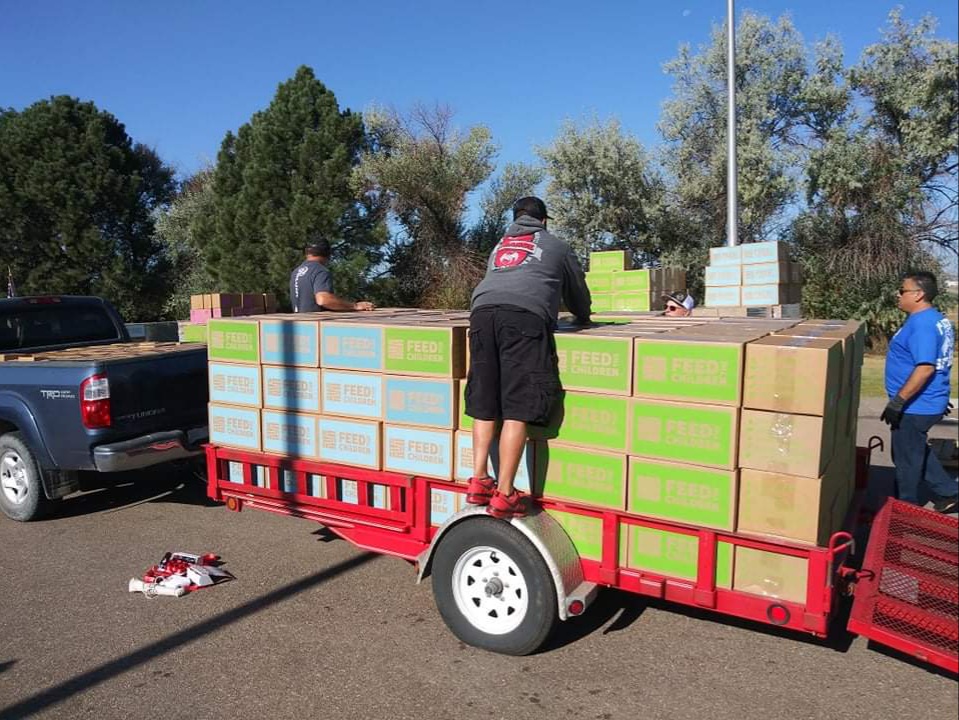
pixel 926 338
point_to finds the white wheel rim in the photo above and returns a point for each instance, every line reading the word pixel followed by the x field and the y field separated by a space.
pixel 13 477
pixel 490 591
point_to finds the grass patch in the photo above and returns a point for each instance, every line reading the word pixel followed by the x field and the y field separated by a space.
pixel 874 367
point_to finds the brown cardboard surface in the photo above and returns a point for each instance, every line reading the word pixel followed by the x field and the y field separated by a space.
pixel 791 507
pixel 786 443
pixel 853 344
pixel 785 373
pixel 771 574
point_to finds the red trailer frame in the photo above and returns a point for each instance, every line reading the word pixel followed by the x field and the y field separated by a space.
pixel 403 529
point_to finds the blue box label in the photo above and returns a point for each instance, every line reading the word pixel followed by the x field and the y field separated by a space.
pixel 418 451
pixel 443 505
pixel 352 347
pixel 291 388
pixel 464 461
pixel 350 442
pixel 413 401
pixel 235 384
pixel 352 394
pixel 287 342
pixel 289 434
pixel 235 427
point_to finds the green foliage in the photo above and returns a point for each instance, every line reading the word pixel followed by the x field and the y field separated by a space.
pixel 283 178
pixel 77 202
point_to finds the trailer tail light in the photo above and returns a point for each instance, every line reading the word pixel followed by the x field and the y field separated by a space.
pixel 576 607
pixel 95 402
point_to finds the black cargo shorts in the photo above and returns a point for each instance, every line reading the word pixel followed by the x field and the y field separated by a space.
pixel 514 371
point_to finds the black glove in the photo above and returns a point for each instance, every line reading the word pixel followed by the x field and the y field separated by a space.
pixel 949 409
pixel 892 415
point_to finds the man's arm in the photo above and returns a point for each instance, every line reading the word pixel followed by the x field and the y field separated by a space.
pixel 916 381
pixel 575 293
pixel 329 301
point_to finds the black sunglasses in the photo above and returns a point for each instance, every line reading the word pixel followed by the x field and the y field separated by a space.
pixel 903 291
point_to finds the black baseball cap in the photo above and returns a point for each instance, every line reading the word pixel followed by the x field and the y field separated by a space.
pixel 532 206
pixel 319 247
pixel 681 298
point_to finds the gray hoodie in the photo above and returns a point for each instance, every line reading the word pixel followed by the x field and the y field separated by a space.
pixel 532 269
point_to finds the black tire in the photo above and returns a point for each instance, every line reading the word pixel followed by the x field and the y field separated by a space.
pixel 18 464
pixel 541 608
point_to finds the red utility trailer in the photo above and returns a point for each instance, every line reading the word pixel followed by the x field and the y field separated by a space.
pixel 502 585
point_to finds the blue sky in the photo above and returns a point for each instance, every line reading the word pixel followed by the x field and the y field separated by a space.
pixel 180 74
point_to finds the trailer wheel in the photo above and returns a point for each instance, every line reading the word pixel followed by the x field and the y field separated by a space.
pixel 21 491
pixel 492 587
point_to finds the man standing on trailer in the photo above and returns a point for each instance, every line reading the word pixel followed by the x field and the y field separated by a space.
pixel 514 371
pixel 917 383
pixel 311 286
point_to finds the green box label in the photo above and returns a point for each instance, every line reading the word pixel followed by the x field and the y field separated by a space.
pixel 588 362
pixel 232 340
pixel 193 332
pixel 600 421
pixel 697 371
pixel 696 496
pixel 599 282
pixel 607 260
pixel 583 476
pixel 465 421
pixel 695 434
pixel 601 302
pixel 423 351
pixel 631 281
pixel 675 555
pixel 632 301
pixel 585 531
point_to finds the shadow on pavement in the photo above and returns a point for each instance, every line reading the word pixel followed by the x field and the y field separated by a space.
pixel 4 666
pixel 83 682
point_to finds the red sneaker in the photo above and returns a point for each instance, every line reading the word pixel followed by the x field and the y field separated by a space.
pixel 480 490
pixel 506 507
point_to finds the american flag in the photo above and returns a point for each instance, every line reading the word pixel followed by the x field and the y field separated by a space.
pixel 11 288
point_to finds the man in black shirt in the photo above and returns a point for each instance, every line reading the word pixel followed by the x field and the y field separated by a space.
pixel 311 287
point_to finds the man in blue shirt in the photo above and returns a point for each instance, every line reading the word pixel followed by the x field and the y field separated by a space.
pixel 311 287
pixel 917 383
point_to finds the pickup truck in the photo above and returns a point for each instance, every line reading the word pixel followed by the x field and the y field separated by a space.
pixel 104 410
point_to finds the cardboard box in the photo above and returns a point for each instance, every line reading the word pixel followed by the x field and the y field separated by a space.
pixel 684 367
pixel 630 281
pixel 269 303
pixel 764 252
pixel 232 384
pixel 588 420
pixel 291 388
pixel 444 504
pixel 290 342
pixel 289 434
pixel 608 260
pixel 685 493
pixel 723 297
pixel 235 427
pixel 594 363
pixel 601 302
pixel 430 351
pixel 582 476
pixel 584 531
pixel 463 469
pixel 773 273
pixel 197 302
pixel 315 485
pixel 725 255
pixel 791 507
pixel 771 574
pixel 756 295
pixel 724 276
pixel 632 301
pixel 465 422
pixel 853 345
pixel 786 443
pixel 599 282
pixel 234 340
pixel 350 442
pixel 793 374
pixel 418 451
pixel 192 333
pixel 420 401
pixel 352 394
pixel 351 346
pixel 682 432
pixel 201 316
pixel 674 555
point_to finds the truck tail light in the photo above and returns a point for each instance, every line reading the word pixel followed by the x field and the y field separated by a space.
pixel 95 402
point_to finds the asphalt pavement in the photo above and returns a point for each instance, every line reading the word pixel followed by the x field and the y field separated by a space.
pixel 312 627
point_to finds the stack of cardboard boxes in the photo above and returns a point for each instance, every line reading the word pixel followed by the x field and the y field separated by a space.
pixel 750 275
pixel 204 308
pixel 741 425
pixel 616 288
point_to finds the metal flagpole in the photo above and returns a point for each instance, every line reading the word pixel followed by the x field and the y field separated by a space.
pixel 732 202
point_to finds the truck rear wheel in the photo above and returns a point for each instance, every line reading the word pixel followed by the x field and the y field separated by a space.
pixel 21 491
pixel 493 588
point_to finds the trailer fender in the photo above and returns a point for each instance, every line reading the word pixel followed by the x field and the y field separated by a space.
pixel 549 539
